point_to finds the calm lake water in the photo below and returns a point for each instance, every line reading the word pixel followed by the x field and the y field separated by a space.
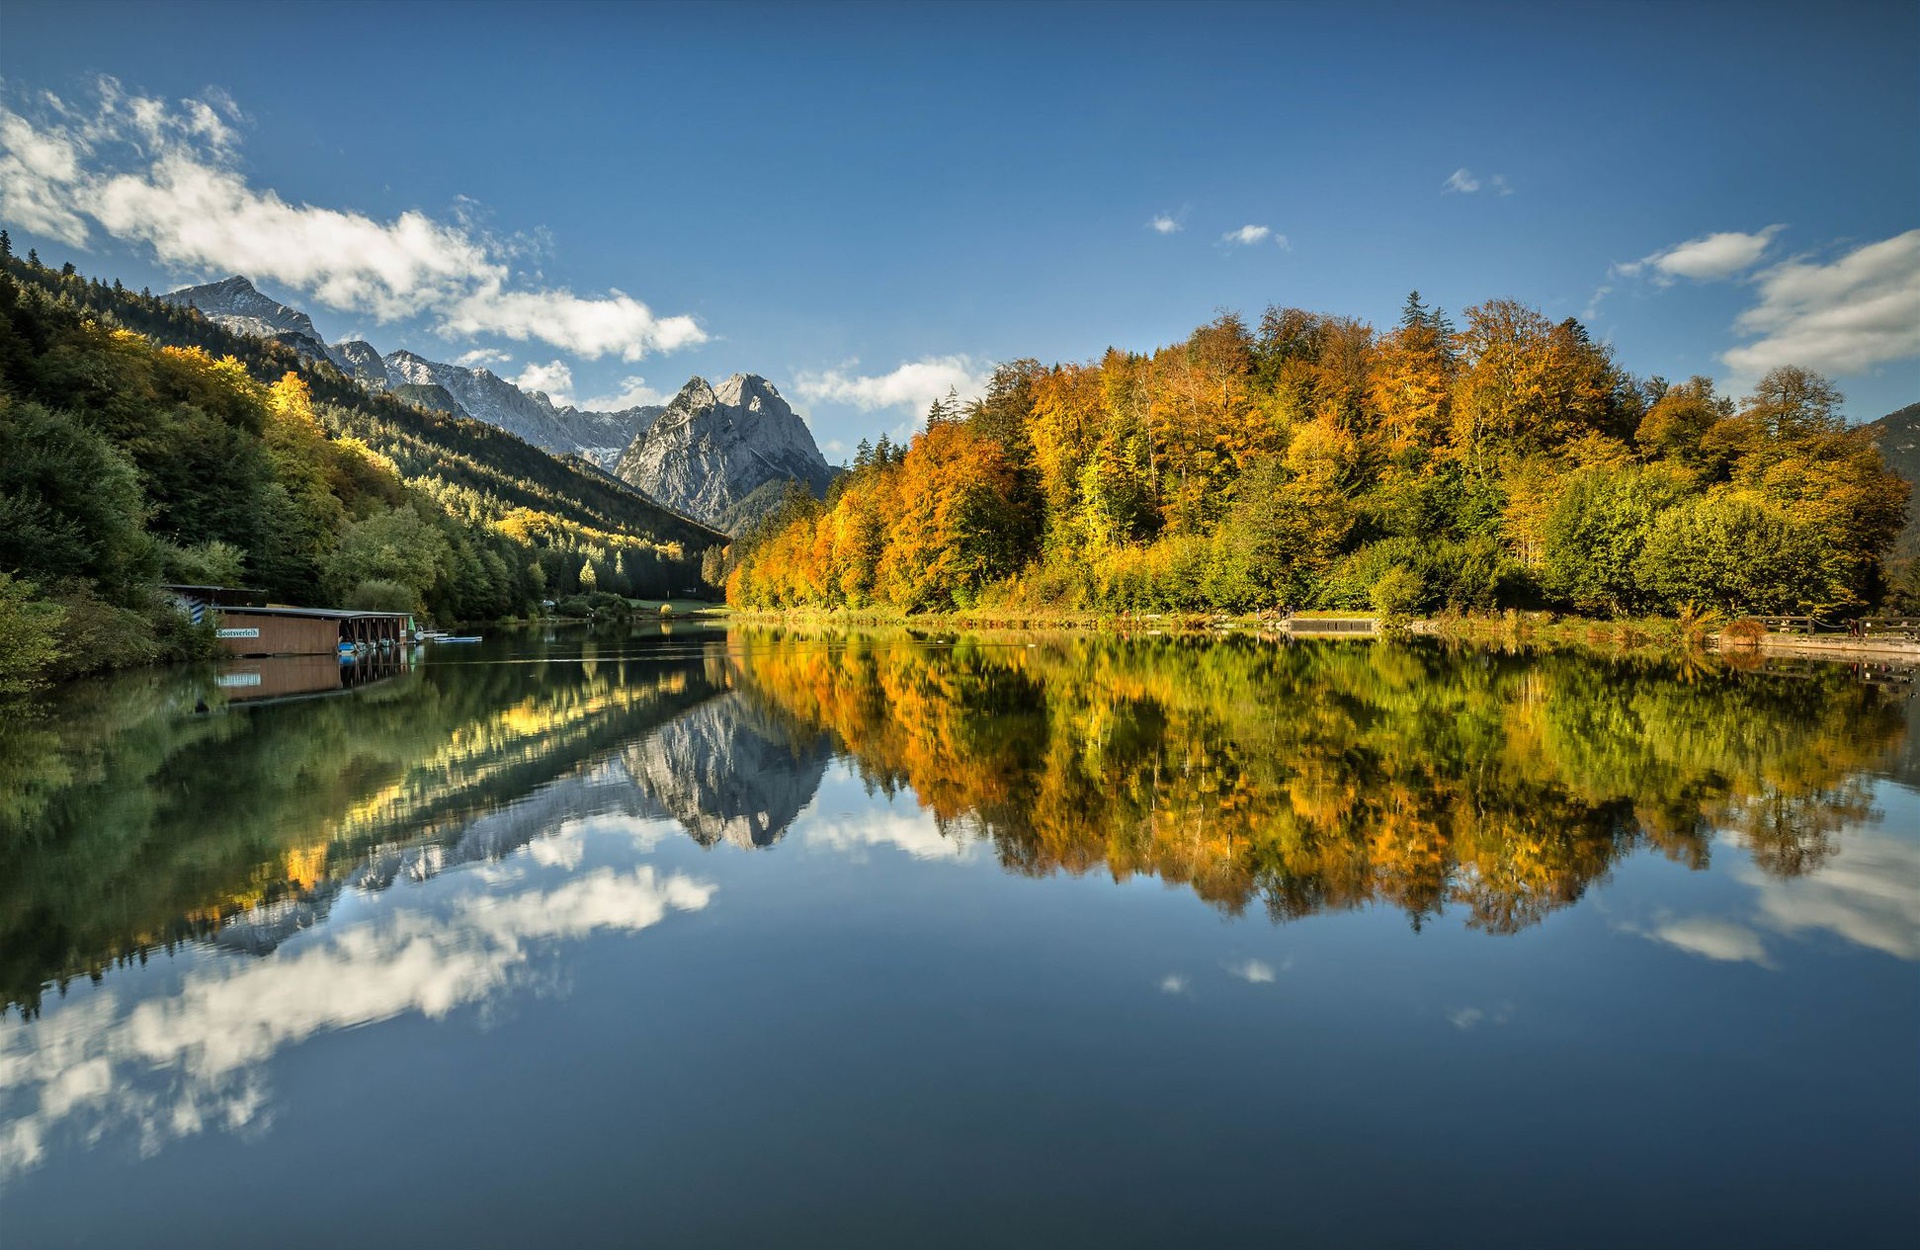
pixel 741 938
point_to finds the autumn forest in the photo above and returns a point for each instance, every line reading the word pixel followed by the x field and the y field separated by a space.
pixel 1312 461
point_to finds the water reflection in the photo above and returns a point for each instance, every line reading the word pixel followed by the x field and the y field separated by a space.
pixel 1321 777
pixel 1289 780
pixel 1298 779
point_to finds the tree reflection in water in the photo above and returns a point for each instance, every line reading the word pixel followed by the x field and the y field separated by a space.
pixel 1311 777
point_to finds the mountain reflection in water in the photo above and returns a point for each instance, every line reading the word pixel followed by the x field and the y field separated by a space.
pixel 300 854
pixel 1296 779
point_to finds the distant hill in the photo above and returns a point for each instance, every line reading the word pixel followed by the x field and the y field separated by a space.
pixel 762 502
pixel 1898 434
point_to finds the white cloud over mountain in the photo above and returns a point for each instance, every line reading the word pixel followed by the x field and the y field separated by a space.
pixel 633 393
pixel 554 377
pixel 167 175
pixel 913 386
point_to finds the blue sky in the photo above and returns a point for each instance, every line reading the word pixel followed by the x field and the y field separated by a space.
pixel 866 203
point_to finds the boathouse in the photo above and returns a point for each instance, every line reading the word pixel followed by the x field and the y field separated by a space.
pixel 308 631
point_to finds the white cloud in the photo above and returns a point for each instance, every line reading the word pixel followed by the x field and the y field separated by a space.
pixel 167 176
pixel 483 356
pixel 1173 983
pixel 1844 317
pixel 633 393
pixel 174 1065
pixel 1709 258
pixel 1253 972
pixel 1710 936
pixel 554 377
pixel 1500 184
pixel 913 386
pixel 915 833
pixel 1164 224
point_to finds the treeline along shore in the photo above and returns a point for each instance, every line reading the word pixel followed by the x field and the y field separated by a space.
pixel 1311 461
pixel 141 445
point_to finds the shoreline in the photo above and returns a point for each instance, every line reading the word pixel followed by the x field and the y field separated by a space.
pixel 1635 636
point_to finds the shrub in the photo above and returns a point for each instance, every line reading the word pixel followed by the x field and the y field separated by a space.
pixel 382 595
pixel 30 631
pixel 97 636
pixel 1745 632
pixel 1398 593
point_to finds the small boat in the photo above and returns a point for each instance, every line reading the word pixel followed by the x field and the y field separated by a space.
pixel 450 638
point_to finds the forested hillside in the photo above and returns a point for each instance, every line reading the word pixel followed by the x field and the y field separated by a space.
pixel 1898 435
pixel 1311 461
pixel 140 444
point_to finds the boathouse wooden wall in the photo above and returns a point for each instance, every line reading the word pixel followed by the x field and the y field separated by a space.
pixel 273 634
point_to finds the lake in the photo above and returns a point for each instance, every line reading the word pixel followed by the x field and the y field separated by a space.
pixel 685 936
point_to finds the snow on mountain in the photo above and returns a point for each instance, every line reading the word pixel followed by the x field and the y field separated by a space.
pixel 715 445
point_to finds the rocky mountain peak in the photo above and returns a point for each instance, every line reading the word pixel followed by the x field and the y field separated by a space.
pixel 236 304
pixel 749 391
pixel 714 446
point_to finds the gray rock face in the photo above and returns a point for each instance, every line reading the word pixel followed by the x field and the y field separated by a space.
pixel 602 437
pixel 485 395
pixel 713 446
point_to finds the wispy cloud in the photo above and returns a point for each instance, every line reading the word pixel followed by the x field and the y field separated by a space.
pixel 1709 258
pixel 480 356
pixel 167 175
pixel 1164 224
pixel 1252 971
pixel 1173 983
pixel 913 386
pixel 1464 181
pixel 1467 1019
pixel 1844 316
pixel 1251 236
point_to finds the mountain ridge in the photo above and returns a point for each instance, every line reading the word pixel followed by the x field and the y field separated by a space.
pixel 724 445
